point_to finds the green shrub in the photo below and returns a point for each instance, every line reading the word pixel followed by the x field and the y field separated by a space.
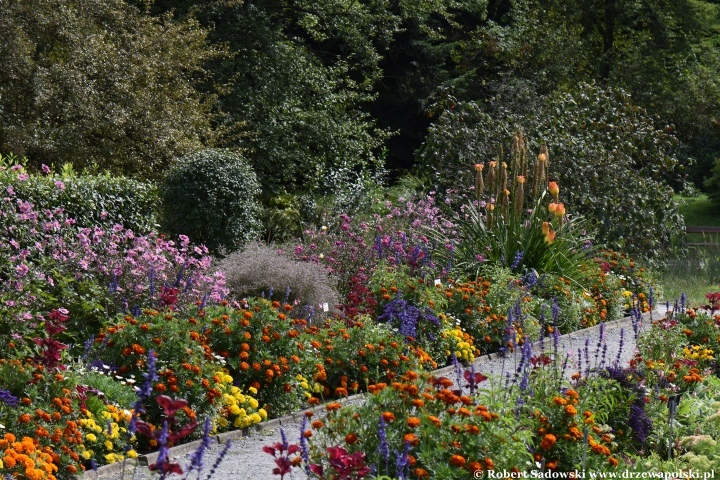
pixel 608 155
pixel 90 200
pixel 211 196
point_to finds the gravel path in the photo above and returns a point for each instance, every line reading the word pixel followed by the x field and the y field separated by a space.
pixel 245 459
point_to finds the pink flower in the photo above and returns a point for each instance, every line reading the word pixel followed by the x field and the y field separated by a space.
pixel 45 169
pixel 21 270
pixel 59 185
pixel 23 176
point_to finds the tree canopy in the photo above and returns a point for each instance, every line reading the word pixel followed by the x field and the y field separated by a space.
pixel 99 82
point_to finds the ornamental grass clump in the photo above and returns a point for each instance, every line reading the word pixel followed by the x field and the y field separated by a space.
pixel 260 269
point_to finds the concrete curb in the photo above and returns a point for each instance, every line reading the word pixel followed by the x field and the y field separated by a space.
pixel 224 437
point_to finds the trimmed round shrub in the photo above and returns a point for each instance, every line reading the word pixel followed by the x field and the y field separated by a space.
pixel 211 196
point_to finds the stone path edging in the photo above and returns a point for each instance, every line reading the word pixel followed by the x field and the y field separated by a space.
pixel 222 438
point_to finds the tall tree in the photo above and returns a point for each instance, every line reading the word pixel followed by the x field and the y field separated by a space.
pixel 97 82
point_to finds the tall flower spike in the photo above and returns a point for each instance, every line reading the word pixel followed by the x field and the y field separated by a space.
pixel 505 203
pixel 503 178
pixel 479 184
pixel 519 199
pixel 490 179
pixel 554 190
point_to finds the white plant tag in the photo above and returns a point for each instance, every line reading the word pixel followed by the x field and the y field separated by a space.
pixel 437 281
pixel 326 307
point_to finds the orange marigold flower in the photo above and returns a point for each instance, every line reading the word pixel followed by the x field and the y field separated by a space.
pixel 548 441
pixel 351 438
pixel 434 420
pixel 421 473
pixel 570 410
pixel 489 464
pixel 457 460
pixel 613 461
pixel 411 438
pixel 388 417
pixel 559 401
pixel 333 406
pixel 572 393
pixel 472 429
pixel 413 422
pixel 24 418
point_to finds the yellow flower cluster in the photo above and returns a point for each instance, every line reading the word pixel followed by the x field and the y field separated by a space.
pixel 239 409
pixel 696 352
pixel 102 437
pixel 464 349
pixel 308 389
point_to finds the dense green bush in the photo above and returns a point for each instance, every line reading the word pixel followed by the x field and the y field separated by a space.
pixel 90 199
pixel 609 157
pixel 211 196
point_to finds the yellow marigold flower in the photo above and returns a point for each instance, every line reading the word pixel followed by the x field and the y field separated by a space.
pixel 262 413
pixel 108 445
pixel 252 390
pixel 235 410
pixel 90 437
pixel 253 403
pixel 255 418
pixel 132 454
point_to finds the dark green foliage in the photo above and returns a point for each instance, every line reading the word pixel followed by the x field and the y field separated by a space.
pixel 712 184
pixel 92 200
pixel 609 158
pixel 97 82
pixel 211 196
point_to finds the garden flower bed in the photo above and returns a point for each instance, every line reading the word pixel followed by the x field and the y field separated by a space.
pixel 116 344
